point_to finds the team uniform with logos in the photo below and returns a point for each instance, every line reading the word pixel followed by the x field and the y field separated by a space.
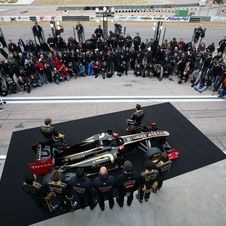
pixel 163 168
pixel 136 118
pixel 57 194
pixel 104 186
pixel 50 133
pixel 149 183
pixel 83 191
pixel 128 182
pixel 35 190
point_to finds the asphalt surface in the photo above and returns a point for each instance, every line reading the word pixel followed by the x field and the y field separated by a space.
pixel 215 31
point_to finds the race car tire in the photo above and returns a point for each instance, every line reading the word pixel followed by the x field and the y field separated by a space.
pixel 152 152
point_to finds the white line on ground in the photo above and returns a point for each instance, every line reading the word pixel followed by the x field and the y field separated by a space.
pixel 111 99
pixel 108 97
pixel 2 157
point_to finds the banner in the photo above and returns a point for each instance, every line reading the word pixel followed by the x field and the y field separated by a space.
pixel 177 19
pixel 48 18
pixel 29 18
pixel 147 18
pixel 14 18
pixel 218 19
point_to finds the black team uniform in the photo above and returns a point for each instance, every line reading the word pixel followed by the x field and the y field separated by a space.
pixel 163 166
pixel 149 181
pixel 34 189
pixel 104 184
pixel 135 121
pixel 51 135
pixel 81 186
pixel 49 132
pixel 128 182
pixel 58 194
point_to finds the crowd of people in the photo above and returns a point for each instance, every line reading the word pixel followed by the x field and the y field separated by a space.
pixel 32 65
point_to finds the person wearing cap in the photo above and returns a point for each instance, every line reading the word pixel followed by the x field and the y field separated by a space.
pixel 103 185
pixel 50 133
pixel 82 187
pixel 149 181
pixel 127 182
pixel 163 166
pixel 137 117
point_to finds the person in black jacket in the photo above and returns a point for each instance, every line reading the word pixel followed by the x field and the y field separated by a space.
pixel 81 185
pixel 57 194
pixel 104 184
pixel 50 133
pixel 128 182
pixel 12 47
pixel 137 41
pixel 34 189
pixel 37 31
pixel 99 32
pixel 137 117
pixel 222 45
pixel 163 166
pixel 149 183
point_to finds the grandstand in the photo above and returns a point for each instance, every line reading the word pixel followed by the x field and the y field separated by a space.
pixel 114 2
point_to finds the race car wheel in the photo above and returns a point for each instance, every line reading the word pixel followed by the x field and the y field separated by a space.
pixel 152 153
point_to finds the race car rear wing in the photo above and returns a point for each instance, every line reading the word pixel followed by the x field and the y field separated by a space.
pixel 129 139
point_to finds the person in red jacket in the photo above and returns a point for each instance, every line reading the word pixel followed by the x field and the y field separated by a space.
pixel 41 67
pixel 64 72
pixel 57 63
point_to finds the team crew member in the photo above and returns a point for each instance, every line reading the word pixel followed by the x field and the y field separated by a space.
pixel 163 166
pixel 104 185
pixel 128 182
pixel 58 194
pixel 81 185
pixel 137 117
pixel 149 181
pixel 33 188
pixel 50 133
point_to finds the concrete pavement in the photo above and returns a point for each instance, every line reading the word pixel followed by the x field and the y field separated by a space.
pixel 193 199
pixel 215 31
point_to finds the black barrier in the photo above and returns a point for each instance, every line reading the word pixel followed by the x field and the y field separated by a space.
pixel 195 19
pixel 75 18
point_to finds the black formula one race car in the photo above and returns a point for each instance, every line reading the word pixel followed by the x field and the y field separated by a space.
pixel 104 149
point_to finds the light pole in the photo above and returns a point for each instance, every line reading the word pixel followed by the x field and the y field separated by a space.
pixel 53 28
pixel 157 28
pixel 3 45
pixel 106 14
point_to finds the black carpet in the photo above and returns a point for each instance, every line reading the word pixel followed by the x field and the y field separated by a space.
pixel 17 208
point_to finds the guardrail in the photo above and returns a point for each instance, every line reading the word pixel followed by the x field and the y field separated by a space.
pixel 119 18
